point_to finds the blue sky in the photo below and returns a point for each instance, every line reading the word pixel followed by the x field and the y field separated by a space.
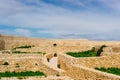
pixel 91 19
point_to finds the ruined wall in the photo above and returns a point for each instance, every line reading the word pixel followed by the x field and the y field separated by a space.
pixel 79 72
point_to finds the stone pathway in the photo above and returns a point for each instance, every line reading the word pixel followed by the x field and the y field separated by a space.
pixel 53 61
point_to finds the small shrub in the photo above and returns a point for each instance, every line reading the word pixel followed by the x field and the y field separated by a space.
pixel 20 77
pixel 5 63
pixel 17 65
pixel 58 74
pixel 44 53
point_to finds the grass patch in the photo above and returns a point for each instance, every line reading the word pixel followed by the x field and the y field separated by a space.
pixel 19 52
pixel 112 70
pixel 89 53
pixel 18 74
pixel 26 46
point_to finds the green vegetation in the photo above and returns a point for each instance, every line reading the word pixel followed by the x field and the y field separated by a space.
pixel 58 74
pixel 5 63
pixel 112 70
pixel 89 53
pixel 19 52
pixel 18 74
pixel 26 46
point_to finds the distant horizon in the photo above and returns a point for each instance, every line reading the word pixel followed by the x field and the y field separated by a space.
pixel 76 19
pixel 58 38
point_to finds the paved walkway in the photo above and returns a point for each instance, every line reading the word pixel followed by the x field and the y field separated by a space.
pixel 53 61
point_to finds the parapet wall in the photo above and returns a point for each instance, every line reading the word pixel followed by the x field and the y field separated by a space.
pixel 79 72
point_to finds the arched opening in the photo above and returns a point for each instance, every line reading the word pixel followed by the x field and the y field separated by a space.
pixel 54 44
pixel 55 54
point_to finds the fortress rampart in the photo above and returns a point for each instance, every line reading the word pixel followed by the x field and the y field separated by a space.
pixel 76 68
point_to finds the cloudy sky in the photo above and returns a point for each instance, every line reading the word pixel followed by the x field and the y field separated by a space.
pixel 91 19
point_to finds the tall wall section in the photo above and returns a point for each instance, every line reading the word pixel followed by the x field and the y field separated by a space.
pixel 2 44
pixel 46 45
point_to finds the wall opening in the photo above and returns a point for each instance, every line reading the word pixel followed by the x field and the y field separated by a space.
pixel 55 54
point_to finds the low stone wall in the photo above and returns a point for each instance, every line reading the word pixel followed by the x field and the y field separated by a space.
pixel 17 56
pixel 103 61
pixel 38 78
pixel 79 72
pixel 26 62
pixel 107 43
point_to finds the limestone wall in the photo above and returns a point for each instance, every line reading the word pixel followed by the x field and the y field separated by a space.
pixel 46 45
pixel 79 72
pixel 26 62
pixel 38 78
pixel 103 61
pixel 107 43
pixel 2 44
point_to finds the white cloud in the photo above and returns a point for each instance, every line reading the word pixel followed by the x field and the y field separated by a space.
pixel 113 4
pixel 55 19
